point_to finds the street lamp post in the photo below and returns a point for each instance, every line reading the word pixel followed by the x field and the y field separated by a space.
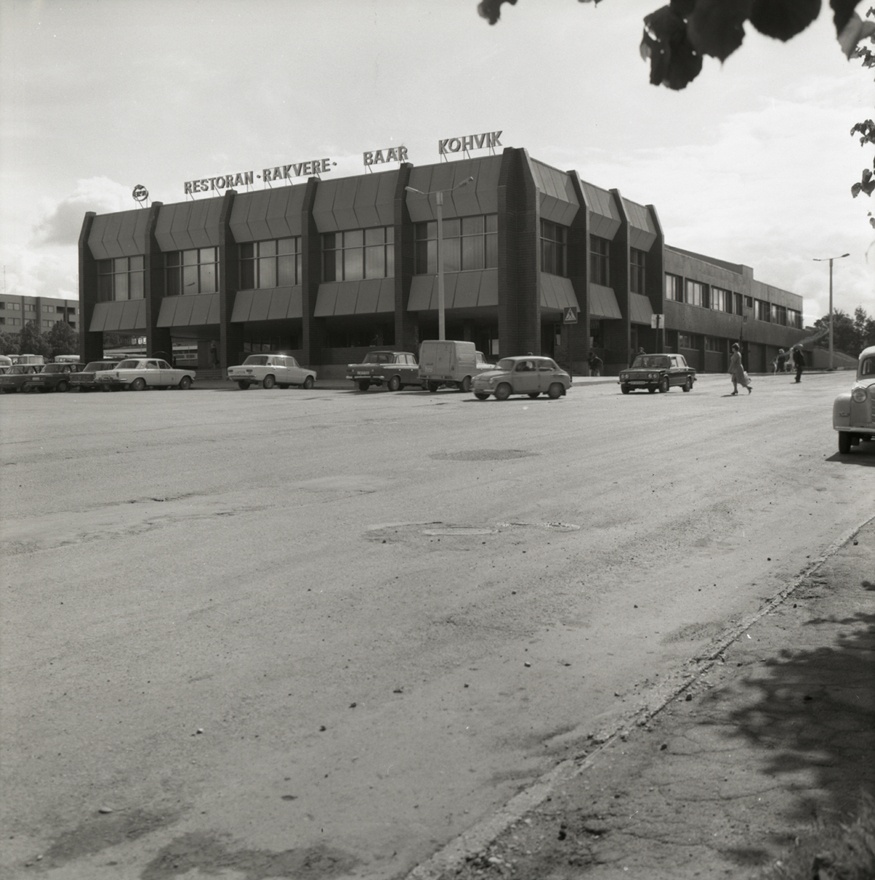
pixel 830 260
pixel 439 215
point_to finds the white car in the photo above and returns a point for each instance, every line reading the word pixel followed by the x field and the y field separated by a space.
pixel 269 370
pixel 853 412
pixel 137 374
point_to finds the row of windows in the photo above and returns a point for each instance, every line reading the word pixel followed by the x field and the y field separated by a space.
pixel 270 263
pixel 469 243
pixel 358 254
pixel 30 308
pixel 696 293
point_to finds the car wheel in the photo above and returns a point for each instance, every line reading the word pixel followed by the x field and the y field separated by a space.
pixel 138 384
pixel 308 382
pixel 465 384
pixel 688 385
pixel 625 389
pixel 394 383
pixel 433 386
pixel 554 392
pixel 363 384
pixel 269 381
pixel 63 386
pixel 503 391
pixel 184 383
pixel 844 442
pixel 663 385
pixel 481 396
pixel 534 394
pixel 242 385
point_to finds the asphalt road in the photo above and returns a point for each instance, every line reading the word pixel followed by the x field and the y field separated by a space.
pixel 320 634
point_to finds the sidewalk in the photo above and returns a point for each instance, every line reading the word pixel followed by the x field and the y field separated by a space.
pixel 772 730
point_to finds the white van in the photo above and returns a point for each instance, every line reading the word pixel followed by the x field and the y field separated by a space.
pixel 449 362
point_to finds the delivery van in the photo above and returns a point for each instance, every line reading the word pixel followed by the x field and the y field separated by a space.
pixel 449 362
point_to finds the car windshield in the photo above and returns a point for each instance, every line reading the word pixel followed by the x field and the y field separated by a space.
pixel 256 360
pixel 650 362
pixel 505 364
pixel 129 364
pixel 98 366
pixel 379 357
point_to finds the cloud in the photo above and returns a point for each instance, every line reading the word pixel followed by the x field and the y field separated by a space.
pixel 61 222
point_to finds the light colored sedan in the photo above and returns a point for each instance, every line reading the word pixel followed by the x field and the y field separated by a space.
pixel 527 374
pixel 137 374
pixel 853 412
pixel 269 370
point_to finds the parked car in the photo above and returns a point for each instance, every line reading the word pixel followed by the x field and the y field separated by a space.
pixel 52 377
pixel 5 363
pixel 447 362
pixel 138 374
pixel 524 374
pixel 394 369
pixel 853 412
pixel 657 372
pixel 268 370
pixel 84 379
pixel 17 376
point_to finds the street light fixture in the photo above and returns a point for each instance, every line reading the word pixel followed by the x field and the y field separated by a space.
pixel 439 213
pixel 830 260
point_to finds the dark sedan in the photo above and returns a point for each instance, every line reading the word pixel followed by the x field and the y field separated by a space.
pixel 657 372
pixel 52 377
pixel 84 380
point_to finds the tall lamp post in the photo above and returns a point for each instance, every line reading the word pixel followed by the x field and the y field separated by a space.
pixel 439 214
pixel 830 260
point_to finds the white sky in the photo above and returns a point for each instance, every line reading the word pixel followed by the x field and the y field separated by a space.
pixel 752 163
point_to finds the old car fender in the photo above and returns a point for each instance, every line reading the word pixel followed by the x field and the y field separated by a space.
pixel 841 411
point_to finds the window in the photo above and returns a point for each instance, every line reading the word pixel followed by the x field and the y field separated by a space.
pixel 554 248
pixel 738 299
pixel 468 243
pixel 688 340
pixel 357 254
pixel 194 271
pixel 695 293
pixel 721 300
pixel 761 310
pixel 674 288
pixel 636 270
pixel 120 279
pixel 599 260
pixel 270 263
pixel 794 319
pixel 712 343
pixel 778 314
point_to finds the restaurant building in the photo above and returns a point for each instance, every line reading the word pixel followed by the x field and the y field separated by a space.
pixel 535 260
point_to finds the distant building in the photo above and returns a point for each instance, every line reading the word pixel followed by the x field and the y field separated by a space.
pixel 535 259
pixel 44 311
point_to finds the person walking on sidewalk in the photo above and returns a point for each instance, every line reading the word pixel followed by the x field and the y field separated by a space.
pixel 798 361
pixel 595 364
pixel 737 372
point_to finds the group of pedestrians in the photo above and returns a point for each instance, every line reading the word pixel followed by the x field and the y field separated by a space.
pixel 739 375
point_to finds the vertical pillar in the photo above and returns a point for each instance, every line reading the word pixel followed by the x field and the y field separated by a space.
pixel 90 344
pixel 230 335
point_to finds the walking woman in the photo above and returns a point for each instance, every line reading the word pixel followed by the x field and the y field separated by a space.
pixel 737 372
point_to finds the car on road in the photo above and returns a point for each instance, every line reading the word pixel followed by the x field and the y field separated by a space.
pixel 524 374
pixel 657 372
pixel 394 369
pixel 269 370
pixel 853 412
pixel 17 376
pixel 83 380
pixel 137 374
pixel 52 377
pixel 450 363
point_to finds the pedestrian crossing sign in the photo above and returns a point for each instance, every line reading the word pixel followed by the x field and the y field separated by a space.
pixel 570 316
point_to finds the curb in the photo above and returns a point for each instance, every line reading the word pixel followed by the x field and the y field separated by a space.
pixel 453 856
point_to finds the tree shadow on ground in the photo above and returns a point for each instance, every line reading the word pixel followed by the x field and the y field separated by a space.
pixel 812 716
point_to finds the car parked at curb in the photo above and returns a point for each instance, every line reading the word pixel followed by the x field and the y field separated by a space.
pixel 17 376
pixel 83 380
pixel 394 369
pixel 853 412
pixel 138 374
pixel 52 377
pixel 269 370
pixel 657 372
pixel 524 374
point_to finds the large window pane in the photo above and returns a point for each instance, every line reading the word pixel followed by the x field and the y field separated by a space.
pixel 208 279
pixel 267 272
pixel 353 264
pixel 375 262
pixel 285 271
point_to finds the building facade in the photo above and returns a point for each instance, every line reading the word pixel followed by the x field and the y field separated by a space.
pixel 44 311
pixel 535 260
